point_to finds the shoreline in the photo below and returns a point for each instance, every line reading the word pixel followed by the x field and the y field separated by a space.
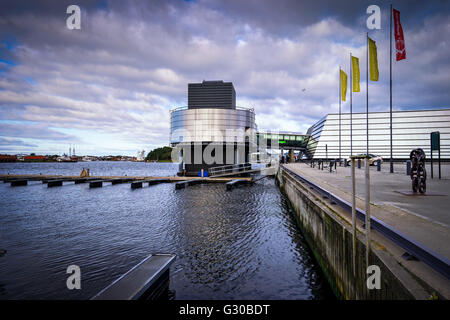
pixel 51 161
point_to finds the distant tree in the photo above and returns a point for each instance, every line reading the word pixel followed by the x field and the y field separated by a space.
pixel 32 154
pixel 163 153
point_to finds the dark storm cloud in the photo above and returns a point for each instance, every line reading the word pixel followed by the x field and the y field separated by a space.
pixel 131 62
pixel 286 17
pixel 279 16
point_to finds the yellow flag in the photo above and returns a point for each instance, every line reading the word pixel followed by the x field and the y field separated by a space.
pixel 373 60
pixel 355 74
pixel 343 84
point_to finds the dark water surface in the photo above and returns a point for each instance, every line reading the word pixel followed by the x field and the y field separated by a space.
pixel 242 244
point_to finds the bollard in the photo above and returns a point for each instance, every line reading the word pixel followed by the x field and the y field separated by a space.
pixel 408 167
pixel 379 165
pixel 359 163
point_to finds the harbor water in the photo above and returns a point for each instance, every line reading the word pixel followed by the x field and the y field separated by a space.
pixel 240 244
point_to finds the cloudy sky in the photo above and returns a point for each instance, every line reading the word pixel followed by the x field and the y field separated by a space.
pixel 108 88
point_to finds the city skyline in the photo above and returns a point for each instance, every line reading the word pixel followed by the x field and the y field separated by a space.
pixel 108 87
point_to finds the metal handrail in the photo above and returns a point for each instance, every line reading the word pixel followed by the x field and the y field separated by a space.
pixel 245 108
pixel 231 168
pixel 225 166
pixel 178 108
pixel 186 107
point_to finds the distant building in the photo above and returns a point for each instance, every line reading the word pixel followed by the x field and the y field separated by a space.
pixel 66 158
pixel 8 158
pixel 410 130
pixel 89 158
pixel 211 94
pixel 34 158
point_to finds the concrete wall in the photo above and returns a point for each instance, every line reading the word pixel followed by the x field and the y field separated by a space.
pixel 330 238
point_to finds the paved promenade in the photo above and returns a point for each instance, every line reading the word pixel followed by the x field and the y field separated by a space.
pixel 425 218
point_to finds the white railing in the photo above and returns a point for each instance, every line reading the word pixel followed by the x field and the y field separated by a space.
pixel 186 107
pixel 229 169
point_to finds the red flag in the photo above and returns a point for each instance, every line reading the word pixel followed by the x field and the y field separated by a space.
pixel 399 40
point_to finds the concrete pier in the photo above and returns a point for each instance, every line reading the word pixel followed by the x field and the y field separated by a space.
pixel 327 228
pixel 136 182
pixel 119 180
pixel 235 183
pixel 139 184
pixel 83 180
pixel 96 184
pixel 15 183
pixel 63 179
pixel 191 182
pixel 157 181
pixel 181 185
pixel 146 281
pixel 38 177
pixel 196 181
pixel 54 183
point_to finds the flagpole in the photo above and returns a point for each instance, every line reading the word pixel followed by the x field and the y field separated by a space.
pixel 367 93
pixel 391 170
pixel 351 105
pixel 367 174
pixel 340 88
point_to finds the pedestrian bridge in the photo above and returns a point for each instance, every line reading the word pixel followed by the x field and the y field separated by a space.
pixel 284 140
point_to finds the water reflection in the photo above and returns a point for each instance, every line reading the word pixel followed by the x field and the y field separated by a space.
pixel 242 244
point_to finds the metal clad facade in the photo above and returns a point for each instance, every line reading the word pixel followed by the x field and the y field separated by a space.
pixel 210 125
pixel 410 130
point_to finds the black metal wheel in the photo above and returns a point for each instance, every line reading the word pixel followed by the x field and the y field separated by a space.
pixel 413 173
pixel 414 185
pixel 422 186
